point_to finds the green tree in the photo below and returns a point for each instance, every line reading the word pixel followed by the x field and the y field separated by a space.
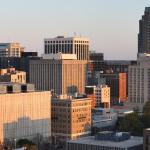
pixel 146 115
pixel 26 143
pixel 132 123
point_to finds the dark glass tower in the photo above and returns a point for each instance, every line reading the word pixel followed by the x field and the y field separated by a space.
pixel 144 32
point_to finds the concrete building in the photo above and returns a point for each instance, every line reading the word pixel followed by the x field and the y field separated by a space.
pixel 100 95
pixel 144 30
pixel 24 112
pixel 146 139
pixel 68 45
pixel 103 119
pixel 60 74
pixel 106 66
pixel 138 82
pixel 11 49
pixel 117 84
pixel 107 141
pixel 20 63
pixel 71 117
pixel 12 75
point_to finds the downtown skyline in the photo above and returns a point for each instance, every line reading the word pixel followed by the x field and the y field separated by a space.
pixel 111 26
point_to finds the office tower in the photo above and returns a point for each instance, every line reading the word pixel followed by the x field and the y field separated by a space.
pixel 62 73
pixel 25 113
pixel 107 140
pixel 100 95
pixel 11 49
pixel 12 75
pixel 117 84
pixel 68 45
pixel 95 56
pixel 138 82
pixel 144 32
pixel 146 139
pixel 71 117
pixel 106 66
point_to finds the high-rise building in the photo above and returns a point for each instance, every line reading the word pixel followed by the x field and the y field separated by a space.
pixel 68 45
pixel 71 117
pixel 12 75
pixel 144 32
pixel 138 82
pixel 100 95
pixel 25 113
pixel 11 49
pixel 62 73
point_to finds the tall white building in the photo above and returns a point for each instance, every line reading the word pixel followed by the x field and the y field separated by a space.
pixel 68 45
pixel 11 49
pixel 139 82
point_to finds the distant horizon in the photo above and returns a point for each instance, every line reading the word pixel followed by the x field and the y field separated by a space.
pixel 112 27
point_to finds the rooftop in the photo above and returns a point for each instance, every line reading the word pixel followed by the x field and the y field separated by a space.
pixel 133 141
pixel 60 56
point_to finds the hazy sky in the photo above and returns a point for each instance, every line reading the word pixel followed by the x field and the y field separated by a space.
pixel 111 25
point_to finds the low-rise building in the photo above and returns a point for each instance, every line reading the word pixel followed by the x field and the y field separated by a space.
pixel 71 117
pixel 103 119
pixel 12 75
pixel 107 141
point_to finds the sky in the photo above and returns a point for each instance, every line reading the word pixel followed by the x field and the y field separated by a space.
pixel 111 25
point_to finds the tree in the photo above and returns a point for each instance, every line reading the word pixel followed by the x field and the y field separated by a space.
pixel 146 115
pixel 132 123
pixel 26 143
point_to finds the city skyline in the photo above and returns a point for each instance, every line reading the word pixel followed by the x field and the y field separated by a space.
pixel 110 28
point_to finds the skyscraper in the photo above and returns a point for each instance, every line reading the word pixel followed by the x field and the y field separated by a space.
pixel 68 45
pixel 61 73
pixel 144 32
pixel 138 82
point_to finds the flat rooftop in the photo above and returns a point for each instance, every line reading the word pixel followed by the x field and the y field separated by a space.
pixel 90 140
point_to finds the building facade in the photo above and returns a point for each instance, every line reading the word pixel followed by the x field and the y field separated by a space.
pixel 24 112
pixel 144 32
pixel 117 84
pixel 103 119
pixel 95 56
pixel 138 82
pixel 100 95
pixel 68 45
pixel 20 63
pixel 71 117
pixel 146 140
pixel 11 49
pixel 60 75
pixel 12 75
